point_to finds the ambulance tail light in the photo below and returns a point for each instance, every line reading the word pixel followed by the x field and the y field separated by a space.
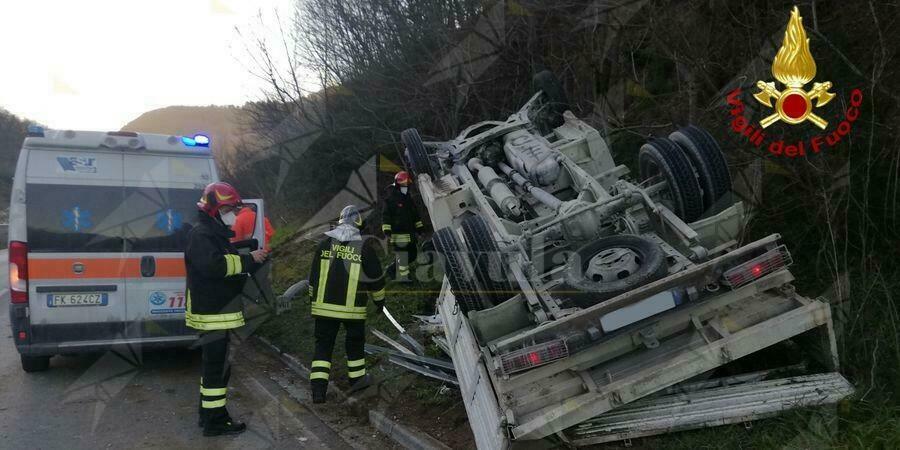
pixel 533 356
pixel 18 272
pixel 748 272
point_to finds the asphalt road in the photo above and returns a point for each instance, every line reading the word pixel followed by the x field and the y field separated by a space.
pixel 117 400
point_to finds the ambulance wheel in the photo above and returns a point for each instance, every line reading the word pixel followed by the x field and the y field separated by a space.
pixel 459 271
pixel 486 259
pixel 708 160
pixel 416 153
pixel 35 363
pixel 611 266
pixel 661 159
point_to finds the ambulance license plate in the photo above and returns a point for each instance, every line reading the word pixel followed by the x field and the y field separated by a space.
pixel 85 299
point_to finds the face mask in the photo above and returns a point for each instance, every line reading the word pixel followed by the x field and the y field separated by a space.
pixel 228 218
pixel 403 190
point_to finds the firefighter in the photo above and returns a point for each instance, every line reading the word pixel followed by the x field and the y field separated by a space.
pixel 215 277
pixel 401 223
pixel 345 272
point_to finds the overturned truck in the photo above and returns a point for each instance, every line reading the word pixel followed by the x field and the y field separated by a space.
pixel 583 305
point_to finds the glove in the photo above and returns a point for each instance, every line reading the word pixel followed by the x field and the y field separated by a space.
pixel 379 308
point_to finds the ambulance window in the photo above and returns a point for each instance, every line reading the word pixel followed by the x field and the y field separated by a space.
pixel 159 219
pixel 67 218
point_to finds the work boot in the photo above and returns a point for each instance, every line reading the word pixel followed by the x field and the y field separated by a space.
pixel 223 427
pixel 358 384
pixel 202 421
pixel 404 278
pixel 318 392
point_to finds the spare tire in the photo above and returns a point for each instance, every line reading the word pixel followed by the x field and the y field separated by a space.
pixel 546 82
pixel 486 259
pixel 611 266
pixel 708 160
pixel 459 271
pixel 416 153
pixel 661 158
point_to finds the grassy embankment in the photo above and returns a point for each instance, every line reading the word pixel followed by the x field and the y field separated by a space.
pixel 413 398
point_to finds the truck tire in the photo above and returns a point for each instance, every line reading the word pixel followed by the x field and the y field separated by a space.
pixel 708 160
pixel 416 153
pixel 661 157
pixel 557 101
pixel 35 363
pixel 586 291
pixel 458 270
pixel 486 259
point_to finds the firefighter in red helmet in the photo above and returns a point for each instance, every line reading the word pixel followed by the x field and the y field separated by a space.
pixel 215 278
pixel 401 224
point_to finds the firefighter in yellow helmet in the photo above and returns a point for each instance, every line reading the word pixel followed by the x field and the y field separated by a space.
pixel 345 272
pixel 215 278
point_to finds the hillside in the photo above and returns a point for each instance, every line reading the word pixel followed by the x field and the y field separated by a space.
pixel 223 124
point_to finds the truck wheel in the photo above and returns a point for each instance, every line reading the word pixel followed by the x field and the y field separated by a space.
pixel 706 156
pixel 458 271
pixel 661 158
pixel 35 363
pixel 486 259
pixel 557 101
pixel 416 153
pixel 611 266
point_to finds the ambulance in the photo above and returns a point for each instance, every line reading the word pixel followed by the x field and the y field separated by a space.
pixel 97 225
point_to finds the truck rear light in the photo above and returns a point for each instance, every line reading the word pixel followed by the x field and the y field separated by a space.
pixel 758 267
pixel 533 356
pixel 18 272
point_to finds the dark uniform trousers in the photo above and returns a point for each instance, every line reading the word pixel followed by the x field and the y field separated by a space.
pixel 405 252
pixel 326 333
pixel 215 371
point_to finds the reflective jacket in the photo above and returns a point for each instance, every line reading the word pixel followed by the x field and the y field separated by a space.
pixel 244 225
pixel 215 277
pixel 399 216
pixel 344 273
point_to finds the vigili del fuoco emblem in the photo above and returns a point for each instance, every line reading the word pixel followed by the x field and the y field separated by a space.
pixel 794 67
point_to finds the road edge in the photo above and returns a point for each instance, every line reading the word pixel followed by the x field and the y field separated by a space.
pixel 406 437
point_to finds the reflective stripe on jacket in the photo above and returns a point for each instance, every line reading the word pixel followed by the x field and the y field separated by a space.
pixel 399 214
pixel 342 277
pixel 216 274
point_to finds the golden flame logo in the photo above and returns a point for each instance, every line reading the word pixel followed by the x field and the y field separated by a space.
pixel 794 66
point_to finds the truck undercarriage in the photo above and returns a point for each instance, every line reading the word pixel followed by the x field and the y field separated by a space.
pixel 574 297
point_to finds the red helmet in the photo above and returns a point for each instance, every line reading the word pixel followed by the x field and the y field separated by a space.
pixel 217 195
pixel 402 179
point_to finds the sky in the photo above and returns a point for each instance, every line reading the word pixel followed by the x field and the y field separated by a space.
pixel 97 64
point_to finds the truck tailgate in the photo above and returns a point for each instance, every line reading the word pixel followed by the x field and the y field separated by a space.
pixel 711 407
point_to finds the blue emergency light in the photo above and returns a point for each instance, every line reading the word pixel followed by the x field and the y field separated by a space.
pixel 199 140
pixel 35 131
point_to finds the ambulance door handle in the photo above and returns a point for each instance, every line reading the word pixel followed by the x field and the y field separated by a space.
pixel 148 266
